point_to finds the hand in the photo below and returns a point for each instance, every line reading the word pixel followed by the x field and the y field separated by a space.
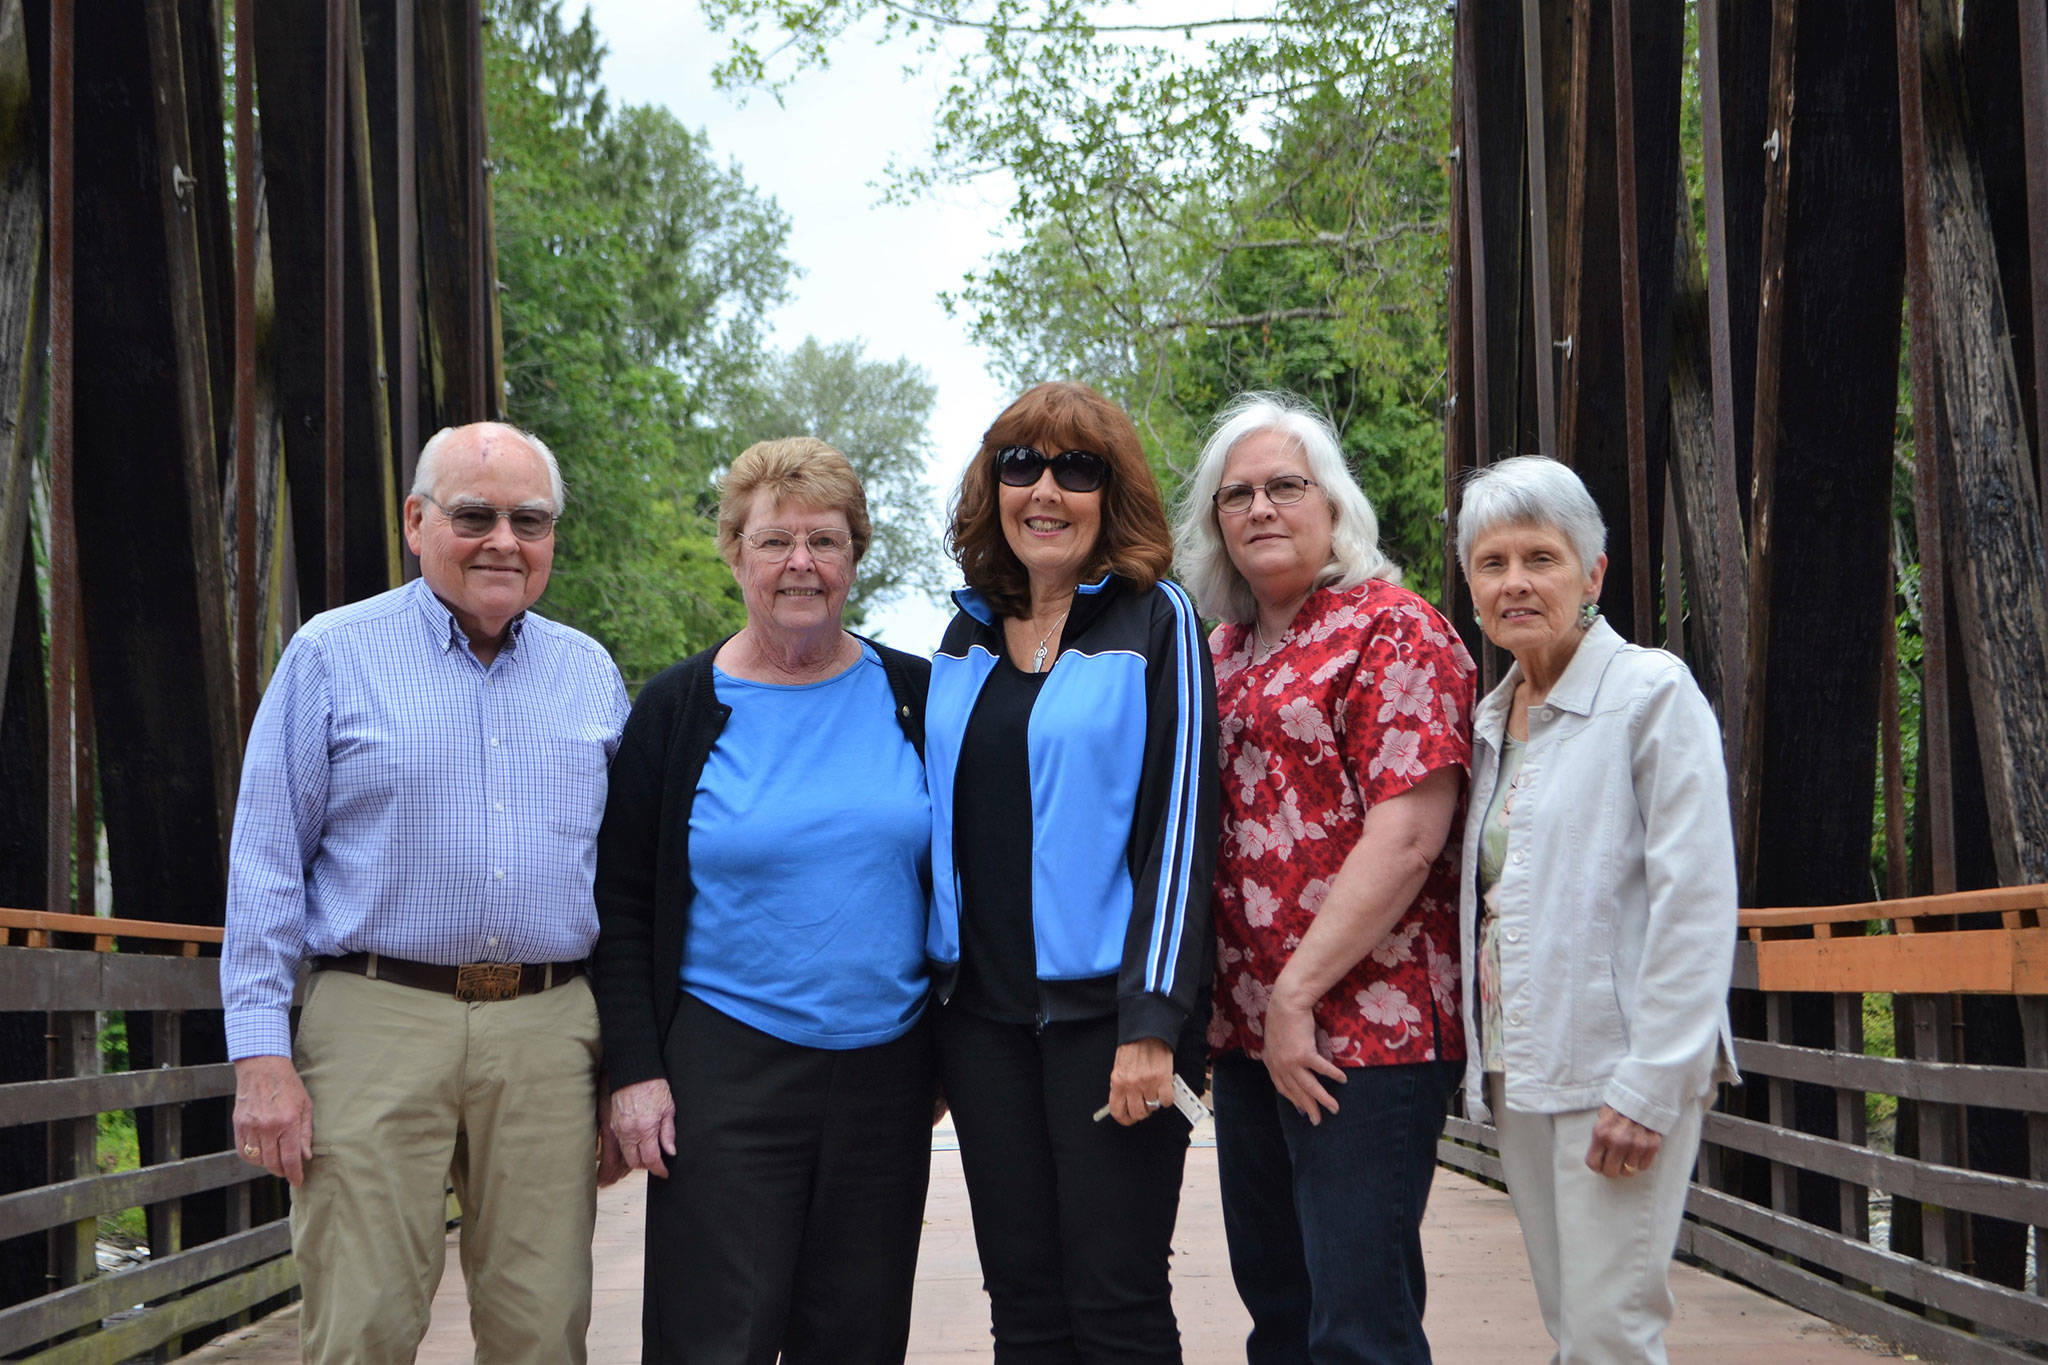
pixel 1294 1063
pixel 1621 1146
pixel 643 1123
pixel 1143 1071
pixel 273 1116
pixel 611 1158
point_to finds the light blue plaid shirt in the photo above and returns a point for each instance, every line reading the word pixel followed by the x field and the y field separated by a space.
pixel 398 797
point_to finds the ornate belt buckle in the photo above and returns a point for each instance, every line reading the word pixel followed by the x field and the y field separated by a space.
pixel 476 981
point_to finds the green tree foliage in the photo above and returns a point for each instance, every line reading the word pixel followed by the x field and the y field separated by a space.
pixel 636 273
pixel 876 413
pixel 1198 207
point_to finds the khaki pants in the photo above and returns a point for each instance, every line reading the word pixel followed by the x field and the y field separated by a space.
pixel 1599 1246
pixel 410 1090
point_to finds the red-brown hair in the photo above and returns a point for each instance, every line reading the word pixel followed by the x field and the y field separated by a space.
pixel 1134 542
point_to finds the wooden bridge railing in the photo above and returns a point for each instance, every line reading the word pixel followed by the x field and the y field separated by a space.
pixel 87 1316
pixel 1791 1211
pixel 1752 1212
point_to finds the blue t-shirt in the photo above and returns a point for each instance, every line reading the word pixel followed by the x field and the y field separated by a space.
pixel 810 852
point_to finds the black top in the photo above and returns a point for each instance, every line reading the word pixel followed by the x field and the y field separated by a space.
pixel 643 849
pixel 992 829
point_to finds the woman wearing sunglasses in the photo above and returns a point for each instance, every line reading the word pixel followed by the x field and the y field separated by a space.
pixel 763 883
pixel 1070 754
pixel 1346 702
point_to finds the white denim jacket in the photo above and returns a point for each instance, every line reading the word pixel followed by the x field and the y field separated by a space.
pixel 1617 897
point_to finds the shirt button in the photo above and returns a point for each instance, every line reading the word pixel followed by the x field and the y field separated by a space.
pixel 498 874
pixel 1515 1019
pixel 1513 935
pixel 498 806
pixel 494 741
pixel 1521 856
pixel 491 942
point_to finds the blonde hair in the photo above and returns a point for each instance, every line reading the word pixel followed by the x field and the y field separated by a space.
pixel 791 469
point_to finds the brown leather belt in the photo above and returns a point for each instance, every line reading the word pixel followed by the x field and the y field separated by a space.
pixel 471 981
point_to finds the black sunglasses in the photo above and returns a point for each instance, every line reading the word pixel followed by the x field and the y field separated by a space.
pixel 1077 471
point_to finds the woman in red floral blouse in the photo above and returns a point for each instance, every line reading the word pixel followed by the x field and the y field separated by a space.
pixel 1345 703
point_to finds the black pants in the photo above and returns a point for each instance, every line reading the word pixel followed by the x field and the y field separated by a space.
pixel 789 1223
pixel 1073 1218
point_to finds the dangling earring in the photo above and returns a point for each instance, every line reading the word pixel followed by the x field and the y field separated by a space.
pixel 1589 612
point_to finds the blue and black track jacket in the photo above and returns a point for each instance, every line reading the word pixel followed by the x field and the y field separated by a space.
pixel 1123 805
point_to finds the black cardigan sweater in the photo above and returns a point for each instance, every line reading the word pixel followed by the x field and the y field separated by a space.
pixel 643 850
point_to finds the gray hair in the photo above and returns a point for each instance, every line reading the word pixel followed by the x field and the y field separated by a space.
pixel 427 471
pixel 1204 561
pixel 1530 490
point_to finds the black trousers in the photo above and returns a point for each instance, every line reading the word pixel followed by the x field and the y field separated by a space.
pixel 788 1226
pixel 1073 1218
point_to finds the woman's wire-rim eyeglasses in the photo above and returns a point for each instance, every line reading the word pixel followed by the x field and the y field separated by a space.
pixel 775 545
pixel 1282 490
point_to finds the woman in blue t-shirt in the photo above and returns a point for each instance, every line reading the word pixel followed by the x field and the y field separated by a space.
pixel 763 882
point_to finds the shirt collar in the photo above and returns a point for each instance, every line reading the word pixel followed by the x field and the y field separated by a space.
pixel 444 631
pixel 1573 692
pixel 974 604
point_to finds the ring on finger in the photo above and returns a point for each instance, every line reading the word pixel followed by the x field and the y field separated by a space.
pixel 1627 1169
pixel 251 1149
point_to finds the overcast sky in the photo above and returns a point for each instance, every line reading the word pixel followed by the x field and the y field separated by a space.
pixel 870 272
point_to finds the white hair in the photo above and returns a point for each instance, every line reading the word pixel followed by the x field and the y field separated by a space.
pixel 1204 562
pixel 1530 490
pixel 426 473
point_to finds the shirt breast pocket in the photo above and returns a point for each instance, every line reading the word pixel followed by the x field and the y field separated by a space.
pixel 571 784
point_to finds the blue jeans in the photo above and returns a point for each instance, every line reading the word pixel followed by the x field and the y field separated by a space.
pixel 1325 1222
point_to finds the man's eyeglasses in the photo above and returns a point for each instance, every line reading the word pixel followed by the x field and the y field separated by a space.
pixel 775 545
pixel 475 520
pixel 1281 490
pixel 1077 471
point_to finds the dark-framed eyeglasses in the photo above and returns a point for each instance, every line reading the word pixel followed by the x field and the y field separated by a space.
pixel 1281 490
pixel 775 545
pixel 475 520
pixel 1077 471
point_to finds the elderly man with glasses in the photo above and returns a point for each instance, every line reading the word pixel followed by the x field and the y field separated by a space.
pixel 417 825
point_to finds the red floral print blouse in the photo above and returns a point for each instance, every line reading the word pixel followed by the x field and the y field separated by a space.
pixel 1368 692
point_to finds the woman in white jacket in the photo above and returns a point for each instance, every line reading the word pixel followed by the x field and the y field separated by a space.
pixel 1598 915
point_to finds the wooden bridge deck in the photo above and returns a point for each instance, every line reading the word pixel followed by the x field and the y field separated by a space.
pixel 1481 1307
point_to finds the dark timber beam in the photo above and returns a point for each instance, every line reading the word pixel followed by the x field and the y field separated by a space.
pixel 1542 65
pixel 23 296
pixel 1827 417
pixel 196 346
pixel 1990 510
pixel 447 244
pixel 290 80
pixel 1716 613
pixel 24 718
pixel 373 474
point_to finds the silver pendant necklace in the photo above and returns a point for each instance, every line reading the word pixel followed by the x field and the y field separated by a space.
pixel 1038 655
